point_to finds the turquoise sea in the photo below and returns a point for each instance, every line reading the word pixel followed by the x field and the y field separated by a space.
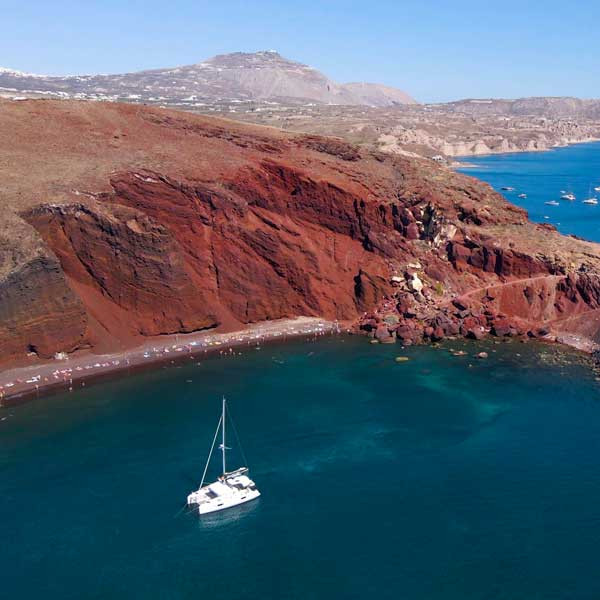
pixel 443 477
pixel 542 176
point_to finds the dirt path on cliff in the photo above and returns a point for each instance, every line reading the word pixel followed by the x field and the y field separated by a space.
pixel 512 282
pixel 581 339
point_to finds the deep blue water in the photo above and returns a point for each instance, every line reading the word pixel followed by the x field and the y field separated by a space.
pixel 542 176
pixel 441 478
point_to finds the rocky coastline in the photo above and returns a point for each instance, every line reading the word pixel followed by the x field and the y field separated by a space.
pixel 125 223
pixel 443 132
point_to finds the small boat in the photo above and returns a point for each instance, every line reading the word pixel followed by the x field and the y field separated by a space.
pixel 597 188
pixel 508 189
pixel 552 203
pixel 522 196
pixel 231 488
pixel 570 197
pixel 590 201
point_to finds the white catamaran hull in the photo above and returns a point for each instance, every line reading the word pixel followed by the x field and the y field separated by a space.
pixel 206 506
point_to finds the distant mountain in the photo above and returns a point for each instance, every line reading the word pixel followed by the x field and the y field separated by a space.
pixel 260 76
pixel 541 106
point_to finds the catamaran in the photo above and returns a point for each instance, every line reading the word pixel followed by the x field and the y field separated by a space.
pixel 590 199
pixel 231 488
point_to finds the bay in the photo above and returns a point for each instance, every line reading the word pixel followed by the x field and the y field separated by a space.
pixel 542 176
pixel 441 477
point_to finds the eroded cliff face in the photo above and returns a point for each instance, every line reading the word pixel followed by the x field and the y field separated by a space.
pixel 498 290
pixel 178 223
pixel 160 256
pixel 128 269
pixel 38 310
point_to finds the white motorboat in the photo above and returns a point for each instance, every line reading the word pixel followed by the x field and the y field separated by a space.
pixel 522 196
pixel 590 201
pixel 597 188
pixel 508 189
pixel 552 203
pixel 570 197
pixel 231 488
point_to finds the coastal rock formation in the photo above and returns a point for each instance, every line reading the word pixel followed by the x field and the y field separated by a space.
pixel 38 311
pixel 540 106
pixel 517 294
pixel 127 267
pixel 128 222
pixel 440 131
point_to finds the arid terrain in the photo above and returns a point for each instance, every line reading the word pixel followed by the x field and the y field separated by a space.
pixel 443 131
pixel 124 222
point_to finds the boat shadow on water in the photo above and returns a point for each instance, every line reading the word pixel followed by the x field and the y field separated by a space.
pixel 224 518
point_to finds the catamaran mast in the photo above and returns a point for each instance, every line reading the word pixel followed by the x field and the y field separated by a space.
pixel 223 438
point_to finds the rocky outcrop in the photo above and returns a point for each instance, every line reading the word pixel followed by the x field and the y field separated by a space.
pixel 128 268
pixel 518 135
pixel 526 297
pixel 38 311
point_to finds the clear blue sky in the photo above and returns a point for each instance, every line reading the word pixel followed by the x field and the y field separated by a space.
pixel 435 50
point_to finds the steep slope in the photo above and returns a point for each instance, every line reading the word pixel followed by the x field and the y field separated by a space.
pixel 143 221
pixel 39 312
pixel 239 76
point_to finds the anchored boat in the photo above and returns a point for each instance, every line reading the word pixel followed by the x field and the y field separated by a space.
pixel 231 488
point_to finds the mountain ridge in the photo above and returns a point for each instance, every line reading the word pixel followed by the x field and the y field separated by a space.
pixel 238 76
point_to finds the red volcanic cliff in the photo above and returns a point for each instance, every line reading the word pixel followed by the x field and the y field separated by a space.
pixel 127 221
pixel 39 312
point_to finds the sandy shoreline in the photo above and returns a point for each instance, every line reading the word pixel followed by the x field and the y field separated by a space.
pixel 21 383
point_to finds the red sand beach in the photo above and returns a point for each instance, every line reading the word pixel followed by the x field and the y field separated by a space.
pixel 22 382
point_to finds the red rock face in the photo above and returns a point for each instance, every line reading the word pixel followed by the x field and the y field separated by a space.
pixel 128 269
pixel 38 310
pixel 527 298
pixel 158 256
pixel 259 255
pixel 229 224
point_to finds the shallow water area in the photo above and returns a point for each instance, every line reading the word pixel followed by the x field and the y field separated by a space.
pixel 440 477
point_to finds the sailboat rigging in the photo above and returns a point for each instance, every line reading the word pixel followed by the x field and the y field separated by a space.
pixel 231 488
